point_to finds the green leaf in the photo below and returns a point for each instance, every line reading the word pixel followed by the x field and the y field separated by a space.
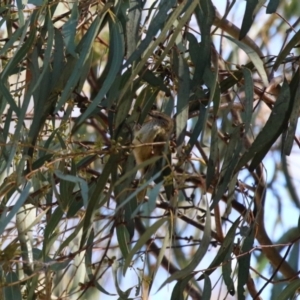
pixel 258 63
pixel 23 195
pixel 251 7
pixel 180 23
pixel 75 179
pixel 154 81
pixel 295 107
pixel 182 69
pixel 205 15
pixel 20 12
pixel 225 248
pixel 289 291
pixel 58 59
pixel 198 255
pixel 227 273
pixel 213 155
pixel 75 64
pixel 155 25
pixel 89 265
pixel 14 37
pixel 69 30
pixel 198 128
pixel 179 288
pixel 123 239
pixel 93 202
pixel 36 2
pixel 206 295
pixel 50 229
pixel 153 193
pixel 198 56
pixel 249 96
pixel 150 43
pixel 230 161
pixel 115 59
pixel 244 264
pixel 287 50
pixel 7 96
pixel 137 191
pixel 20 53
pixel 47 55
pixel 293 260
pixel 142 241
pixel 134 14
pixel 270 132
pixel 12 292
pixel 272 6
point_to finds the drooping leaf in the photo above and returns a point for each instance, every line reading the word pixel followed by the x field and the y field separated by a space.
pixel 244 264
pixel 289 291
pixel 272 6
pixel 7 217
pixel 69 30
pixel 180 286
pixel 294 108
pixel 132 26
pixel 93 202
pixel 249 96
pixel 206 295
pixel 199 254
pixel 270 132
pixel 250 11
pixel 256 60
pixel 142 241
pixel 287 49
pixel 232 154
pixel 75 179
pixel 123 239
pixel 74 65
pixel 156 25
pixel 213 155
pixel 223 251
pixel 13 291
pixel 89 264
pixel 114 62
pixel 182 98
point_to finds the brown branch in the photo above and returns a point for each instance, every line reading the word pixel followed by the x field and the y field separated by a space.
pixel 261 235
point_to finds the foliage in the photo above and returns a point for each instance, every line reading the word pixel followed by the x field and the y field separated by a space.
pixel 76 78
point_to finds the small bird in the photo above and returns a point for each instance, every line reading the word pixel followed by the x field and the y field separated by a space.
pixel 158 127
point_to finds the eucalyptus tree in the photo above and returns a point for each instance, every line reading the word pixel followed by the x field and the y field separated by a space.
pixel 147 149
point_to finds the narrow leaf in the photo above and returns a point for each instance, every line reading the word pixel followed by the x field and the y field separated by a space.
pixel 249 96
pixel 206 295
pixel 244 264
pixel 272 6
pixel 115 59
pixel 258 63
pixel 223 251
pixel 12 292
pixel 82 183
pixel 287 49
pixel 295 101
pixel 123 239
pixel 270 131
pixel 179 288
pixel 198 255
pixel 69 30
pixel 5 219
pixel 289 291
pixel 251 7
pixel 142 241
